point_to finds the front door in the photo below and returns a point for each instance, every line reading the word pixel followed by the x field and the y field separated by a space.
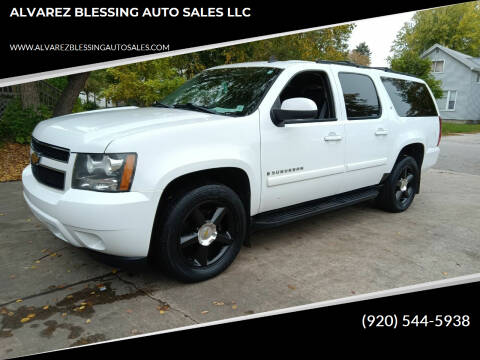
pixel 302 162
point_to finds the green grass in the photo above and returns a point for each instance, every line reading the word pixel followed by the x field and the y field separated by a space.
pixel 451 128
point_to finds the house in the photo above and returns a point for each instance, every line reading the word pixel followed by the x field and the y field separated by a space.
pixel 460 76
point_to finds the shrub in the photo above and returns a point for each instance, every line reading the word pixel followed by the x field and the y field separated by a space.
pixel 89 105
pixel 80 106
pixel 17 124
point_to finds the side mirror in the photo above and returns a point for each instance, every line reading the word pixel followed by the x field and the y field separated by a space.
pixel 294 110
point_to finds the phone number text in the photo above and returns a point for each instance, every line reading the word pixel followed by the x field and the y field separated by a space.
pixel 414 320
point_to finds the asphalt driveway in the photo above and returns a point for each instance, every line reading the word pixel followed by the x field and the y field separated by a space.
pixel 54 295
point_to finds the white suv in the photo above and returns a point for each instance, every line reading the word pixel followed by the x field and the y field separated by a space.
pixel 237 148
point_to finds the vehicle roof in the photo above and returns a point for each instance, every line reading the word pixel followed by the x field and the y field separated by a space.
pixel 297 63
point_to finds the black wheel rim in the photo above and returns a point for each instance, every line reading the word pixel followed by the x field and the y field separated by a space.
pixel 405 187
pixel 207 234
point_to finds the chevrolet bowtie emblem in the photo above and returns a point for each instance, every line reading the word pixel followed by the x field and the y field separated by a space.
pixel 34 158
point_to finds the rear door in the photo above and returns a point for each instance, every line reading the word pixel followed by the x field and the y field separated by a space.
pixel 366 128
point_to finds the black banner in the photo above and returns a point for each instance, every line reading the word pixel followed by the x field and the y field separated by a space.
pixel 58 35
pixel 432 318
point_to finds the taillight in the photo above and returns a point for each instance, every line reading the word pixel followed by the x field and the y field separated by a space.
pixel 439 130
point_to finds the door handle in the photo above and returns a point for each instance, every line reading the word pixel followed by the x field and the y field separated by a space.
pixel 332 137
pixel 381 131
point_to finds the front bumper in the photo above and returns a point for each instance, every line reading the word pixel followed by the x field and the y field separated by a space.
pixel 113 223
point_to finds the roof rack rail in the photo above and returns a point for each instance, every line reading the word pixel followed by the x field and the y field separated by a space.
pixel 349 63
pixel 382 68
pixel 387 69
pixel 341 62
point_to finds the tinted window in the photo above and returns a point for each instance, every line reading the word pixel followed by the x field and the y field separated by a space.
pixel 361 99
pixel 410 98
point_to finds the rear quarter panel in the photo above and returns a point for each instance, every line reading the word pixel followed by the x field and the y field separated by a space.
pixel 410 130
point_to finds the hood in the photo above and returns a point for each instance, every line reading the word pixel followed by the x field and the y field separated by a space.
pixel 92 131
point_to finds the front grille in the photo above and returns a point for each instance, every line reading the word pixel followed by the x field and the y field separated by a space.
pixel 49 177
pixel 50 151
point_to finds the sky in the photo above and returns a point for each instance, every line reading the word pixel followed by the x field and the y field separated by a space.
pixel 379 34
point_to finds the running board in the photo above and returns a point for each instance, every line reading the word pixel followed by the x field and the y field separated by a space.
pixel 311 208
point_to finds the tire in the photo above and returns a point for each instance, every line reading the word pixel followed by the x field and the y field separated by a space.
pixel 202 233
pixel 400 187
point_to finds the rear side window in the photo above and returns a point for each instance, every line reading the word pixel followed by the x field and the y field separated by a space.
pixel 410 98
pixel 361 98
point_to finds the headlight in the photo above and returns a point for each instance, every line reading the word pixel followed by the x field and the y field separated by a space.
pixel 104 172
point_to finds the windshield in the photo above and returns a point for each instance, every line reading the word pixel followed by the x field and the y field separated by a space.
pixel 229 91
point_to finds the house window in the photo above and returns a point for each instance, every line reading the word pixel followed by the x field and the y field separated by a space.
pixel 478 77
pixel 437 66
pixel 451 100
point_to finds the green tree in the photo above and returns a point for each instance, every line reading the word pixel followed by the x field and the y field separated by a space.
pixel 145 82
pixel 358 58
pixel 96 83
pixel 191 64
pixel 411 63
pixel 363 49
pixel 142 83
pixel 69 96
pixel 59 82
pixel 361 54
pixel 456 27
pixel 327 44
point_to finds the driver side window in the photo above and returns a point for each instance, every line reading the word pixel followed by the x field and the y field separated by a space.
pixel 313 85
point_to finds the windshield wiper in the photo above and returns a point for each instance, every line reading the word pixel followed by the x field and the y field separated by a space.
pixel 190 106
pixel 159 104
